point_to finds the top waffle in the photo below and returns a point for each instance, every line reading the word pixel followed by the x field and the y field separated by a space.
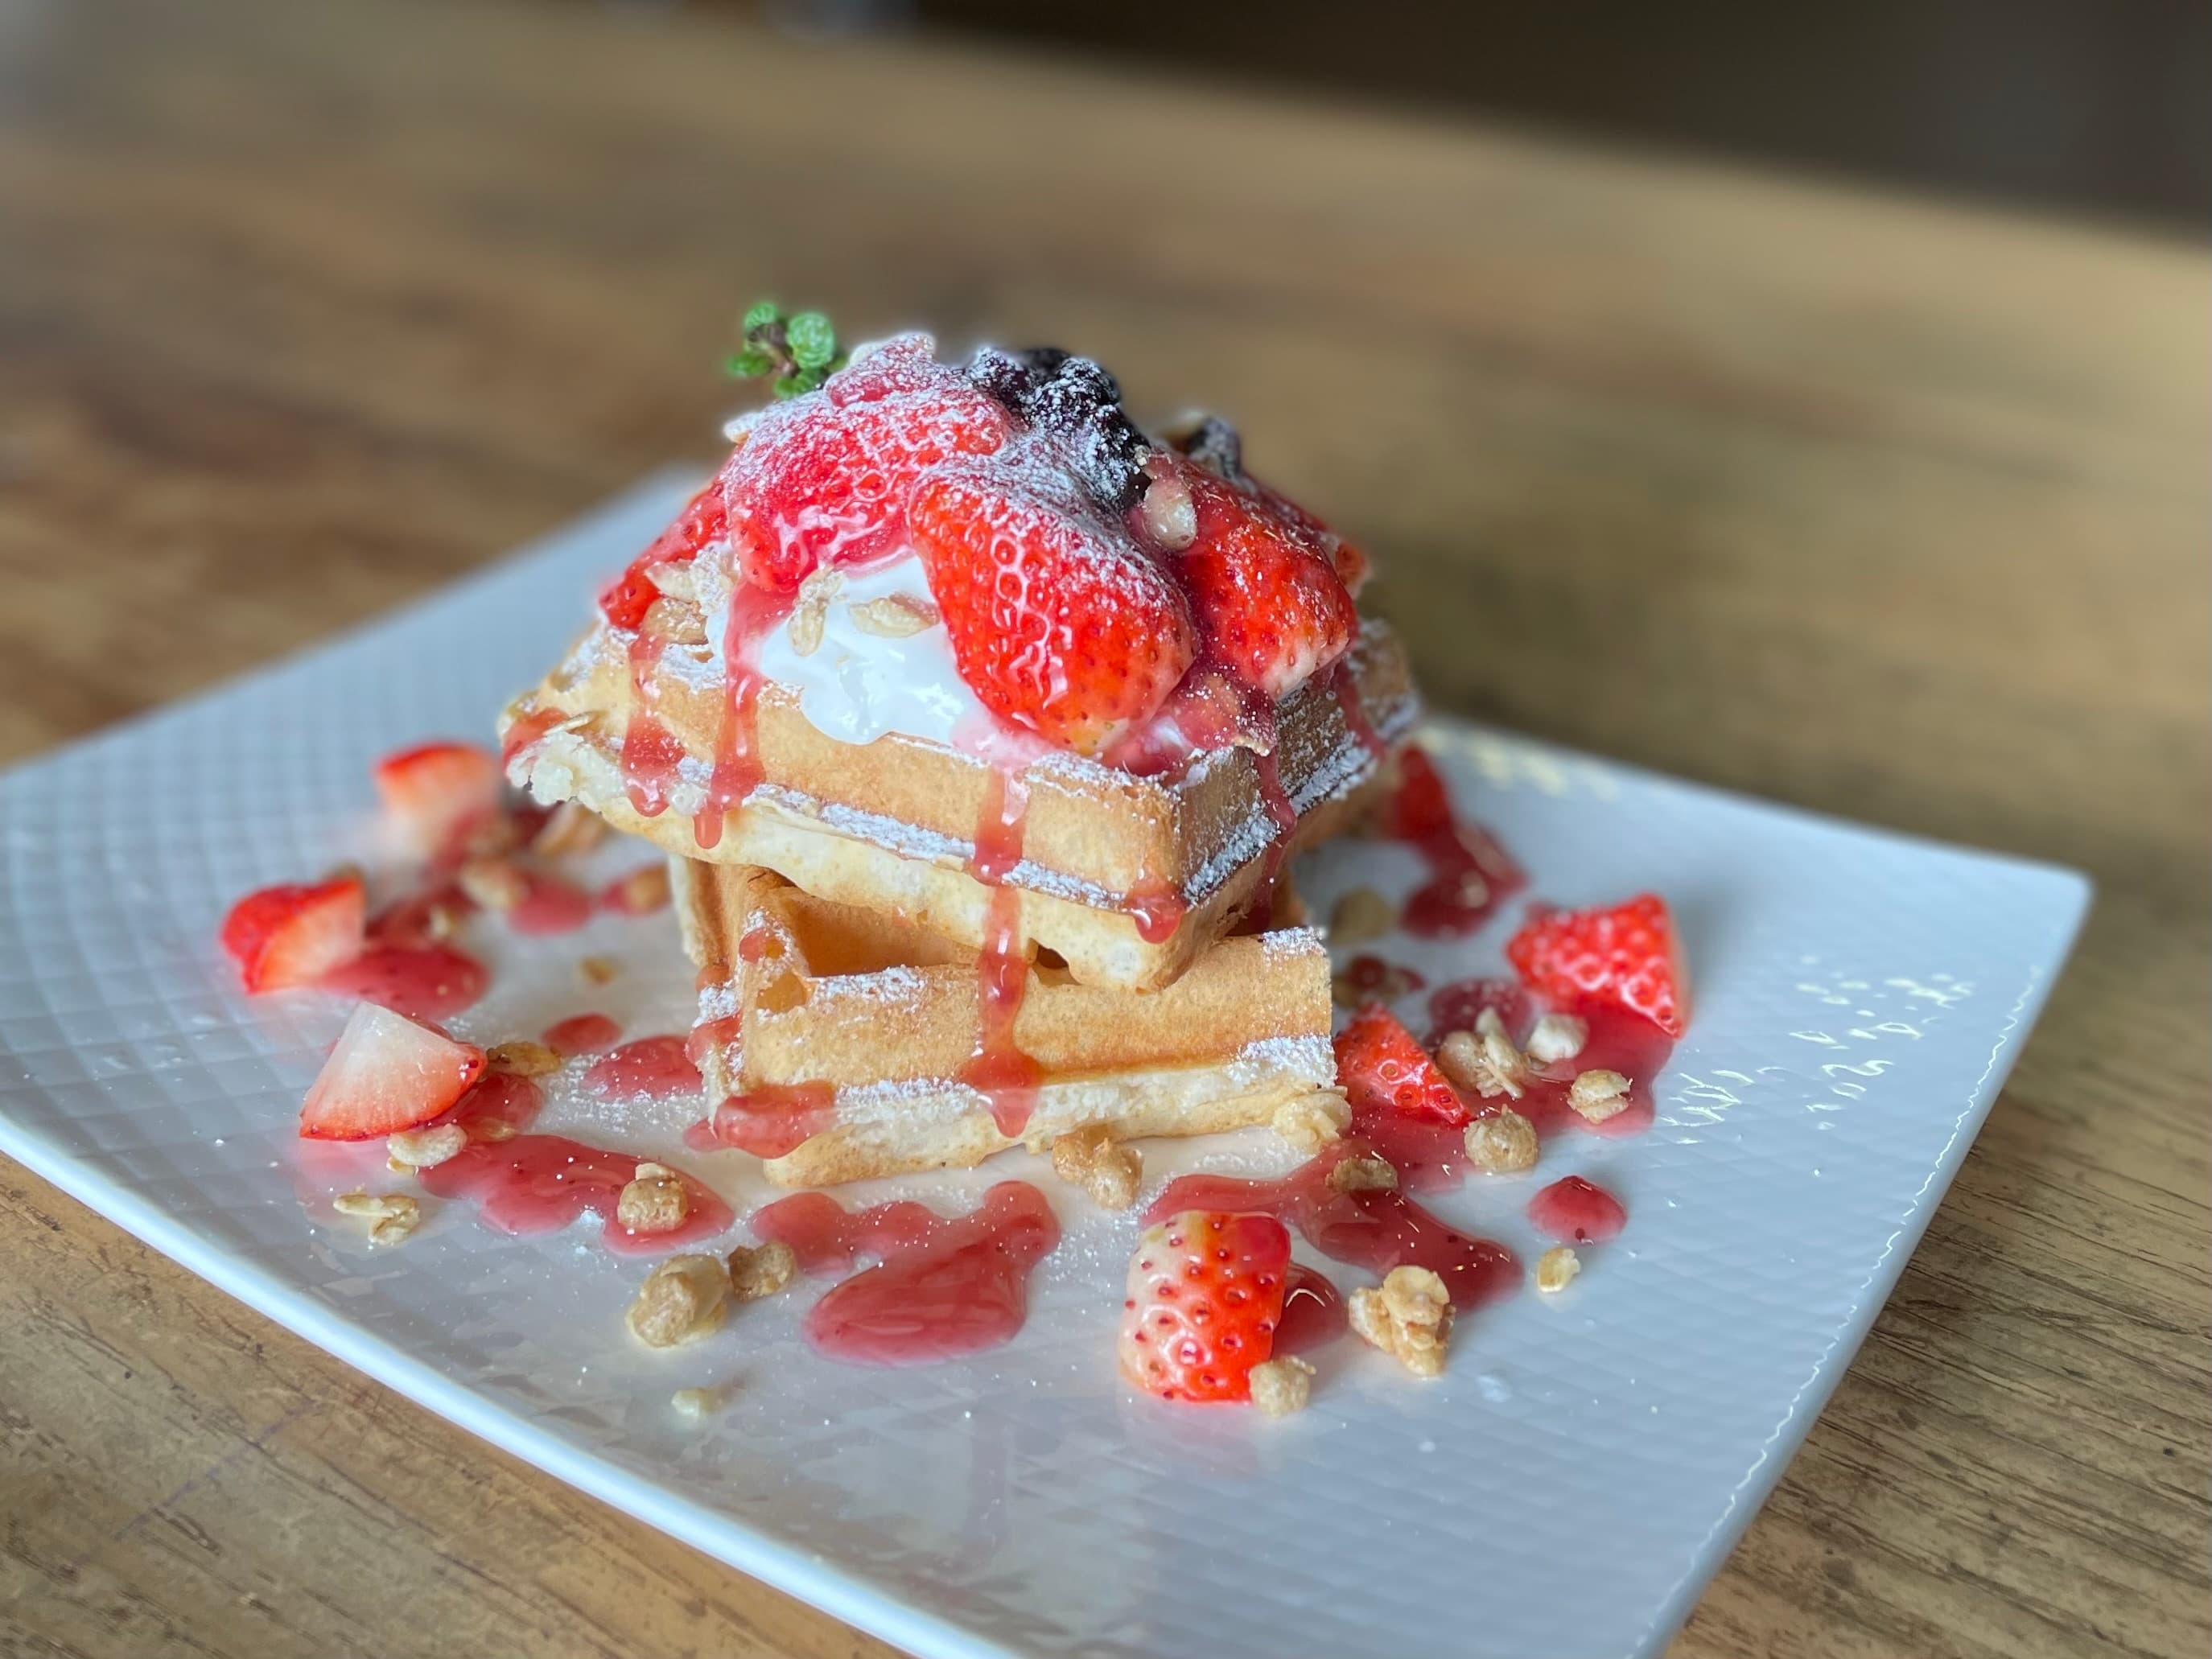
pixel 966 645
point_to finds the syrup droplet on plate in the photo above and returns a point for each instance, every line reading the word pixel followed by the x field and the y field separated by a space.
pixel 1577 1212
pixel 582 1034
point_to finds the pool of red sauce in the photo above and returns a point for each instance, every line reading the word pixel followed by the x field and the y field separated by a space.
pixel 1470 875
pixel 770 1121
pixel 659 1068
pixel 1313 1314
pixel 548 905
pixel 940 1287
pixel 582 1034
pixel 1619 1042
pixel 1375 1229
pixel 430 982
pixel 543 1183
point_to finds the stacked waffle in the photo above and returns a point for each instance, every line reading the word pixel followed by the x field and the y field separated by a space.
pixel 978 723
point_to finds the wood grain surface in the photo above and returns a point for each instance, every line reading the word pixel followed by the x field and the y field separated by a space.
pixel 1895 510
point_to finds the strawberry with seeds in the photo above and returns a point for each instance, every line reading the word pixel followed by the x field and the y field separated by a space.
pixel 1626 954
pixel 822 482
pixel 386 1073
pixel 1205 1296
pixel 292 935
pixel 1381 1068
pixel 1270 606
pixel 1058 621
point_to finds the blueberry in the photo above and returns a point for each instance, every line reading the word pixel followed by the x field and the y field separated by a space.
pixel 1213 444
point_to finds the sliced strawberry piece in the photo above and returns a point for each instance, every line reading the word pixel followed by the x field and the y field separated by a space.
pixel 1381 1068
pixel 437 791
pixel 386 1074
pixel 1058 621
pixel 1627 955
pixel 819 481
pixel 1270 606
pixel 1205 1296
pixel 285 936
pixel 703 522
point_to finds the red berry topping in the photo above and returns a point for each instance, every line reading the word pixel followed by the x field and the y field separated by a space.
pixel 1205 1296
pixel 1058 621
pixel 386 1074
pixel 1380 1065
pixel 905 362
pixel 819 481
pixel 285 936
pixel 702 523
pixel 438 791
pixel 1270 606
pixel 1627 955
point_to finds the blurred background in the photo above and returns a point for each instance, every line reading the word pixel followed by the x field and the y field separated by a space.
pixel 2096 105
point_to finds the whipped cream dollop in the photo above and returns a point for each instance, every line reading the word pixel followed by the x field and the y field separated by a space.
pixel 855 685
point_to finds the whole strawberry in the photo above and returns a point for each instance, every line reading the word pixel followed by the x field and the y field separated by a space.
pixel 1058 621
pixel 1626 954
pixel 1205 1296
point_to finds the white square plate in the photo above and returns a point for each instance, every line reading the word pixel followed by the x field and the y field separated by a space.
pixel 1566 1488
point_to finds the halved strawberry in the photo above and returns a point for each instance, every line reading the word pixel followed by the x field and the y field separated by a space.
pixel 1058 621
pixel 1350 564
pixel 294 935
pixel 1205 1296
pixel 819 481
pixel 1270 606
pixel 703 522
pixel 436 790
pixel 1626 954
pixel 1380 1066
pixel 905 362
pixel 386 1074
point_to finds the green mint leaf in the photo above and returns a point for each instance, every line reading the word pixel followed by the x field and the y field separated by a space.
pixel 762 315
pixel 751 363
pixel 813 343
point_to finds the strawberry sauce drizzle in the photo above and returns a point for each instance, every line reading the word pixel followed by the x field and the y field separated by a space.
pixel 650 751
pixel 524 732
pixel 940 1287
pixel 1377 1229
pixel 1157 908
pixel 1008 1077
pixel 500 1107
pixel 1470 875
pixel 738 770
pixel 655 1067
pixel 432 982
pixel 774 1119
pixel 542 1183
pixel 582 1034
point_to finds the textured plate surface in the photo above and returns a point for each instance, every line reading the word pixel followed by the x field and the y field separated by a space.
pixel 1566 1488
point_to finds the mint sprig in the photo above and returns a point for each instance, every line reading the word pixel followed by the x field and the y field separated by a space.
pixel 795 354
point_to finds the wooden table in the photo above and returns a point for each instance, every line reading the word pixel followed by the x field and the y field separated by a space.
pixel 1895 510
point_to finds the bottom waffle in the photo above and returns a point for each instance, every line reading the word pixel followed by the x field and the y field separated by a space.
pixel 842 1044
